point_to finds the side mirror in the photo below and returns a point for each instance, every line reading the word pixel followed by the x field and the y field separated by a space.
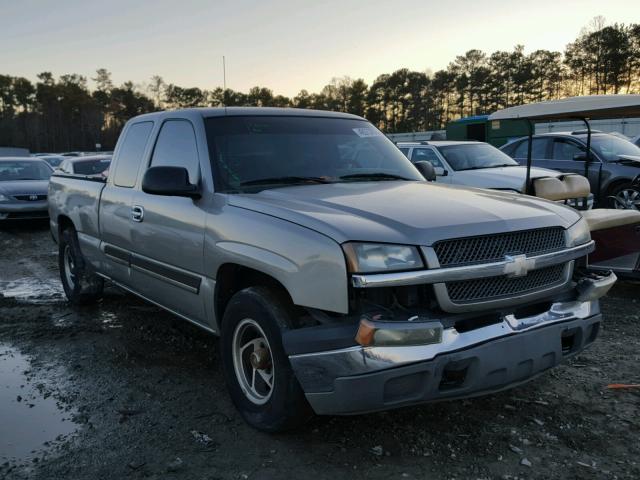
pixel 170 181
pixel 441 172
pixel 426 169
pixel 581 157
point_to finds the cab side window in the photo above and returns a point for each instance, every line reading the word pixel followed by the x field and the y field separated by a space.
pixel 176 147
pixel 130 154
pixel 422 154
pixel 405 151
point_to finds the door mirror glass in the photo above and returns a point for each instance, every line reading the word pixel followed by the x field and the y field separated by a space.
pixel 441 172
pixel 170 181
pixel 427 170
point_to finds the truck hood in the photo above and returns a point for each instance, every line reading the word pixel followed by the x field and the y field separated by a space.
pixel 416 213
pixel 503 177
pixel 24 187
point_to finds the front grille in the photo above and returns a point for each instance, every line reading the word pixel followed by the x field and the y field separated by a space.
pixel 30 198
pixel 27 215
pixel 493 288
pixel 493 248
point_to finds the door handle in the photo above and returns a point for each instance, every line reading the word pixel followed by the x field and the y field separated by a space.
pixel 137 213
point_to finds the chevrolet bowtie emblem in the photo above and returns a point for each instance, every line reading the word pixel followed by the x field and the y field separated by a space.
pixel 518 265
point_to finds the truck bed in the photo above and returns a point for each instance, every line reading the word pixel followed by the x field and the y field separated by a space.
pixel 78 196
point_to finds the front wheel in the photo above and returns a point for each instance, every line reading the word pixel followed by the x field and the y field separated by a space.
pixel 81 286
pixel 261 382
pixel 626 197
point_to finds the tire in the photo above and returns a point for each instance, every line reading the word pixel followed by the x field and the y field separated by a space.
pixel 255 318
pixel 625 197
pixel 81 286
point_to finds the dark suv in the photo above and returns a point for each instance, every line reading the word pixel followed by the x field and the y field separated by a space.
pixel 613 172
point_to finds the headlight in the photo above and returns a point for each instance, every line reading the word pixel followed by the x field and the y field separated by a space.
pixel 380 257
pixel 3 198
pixel 578 233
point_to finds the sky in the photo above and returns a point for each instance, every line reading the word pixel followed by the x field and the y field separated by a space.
pixel 285 45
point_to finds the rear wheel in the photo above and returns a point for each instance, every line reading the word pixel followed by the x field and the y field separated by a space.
pixel 626 197
pixel 260 379
pixel 81 285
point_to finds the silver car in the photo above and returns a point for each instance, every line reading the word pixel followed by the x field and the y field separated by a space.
pixel 23 188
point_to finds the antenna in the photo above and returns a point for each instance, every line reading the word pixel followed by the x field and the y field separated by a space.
pixel 224 83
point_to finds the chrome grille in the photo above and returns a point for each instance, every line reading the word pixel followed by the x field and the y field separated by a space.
pixel 493 248
pixel 497 287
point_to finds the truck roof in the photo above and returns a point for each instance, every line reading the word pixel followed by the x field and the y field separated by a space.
pixel 246 111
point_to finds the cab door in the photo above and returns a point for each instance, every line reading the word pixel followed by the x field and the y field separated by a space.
pixel 117 199
pixel 167 235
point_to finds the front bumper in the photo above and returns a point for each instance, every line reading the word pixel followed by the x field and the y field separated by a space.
pixel 24 210
pixel 488 359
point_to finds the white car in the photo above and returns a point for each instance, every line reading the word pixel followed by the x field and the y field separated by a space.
pixel 474 164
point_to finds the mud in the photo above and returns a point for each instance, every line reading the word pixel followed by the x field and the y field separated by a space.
pixel 142 396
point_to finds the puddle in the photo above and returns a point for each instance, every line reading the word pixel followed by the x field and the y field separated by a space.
pixel 27 418
pixel 109 320
pixel 33 290
pixel 105 319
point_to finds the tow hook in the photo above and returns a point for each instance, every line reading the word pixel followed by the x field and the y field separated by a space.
pixel 592 286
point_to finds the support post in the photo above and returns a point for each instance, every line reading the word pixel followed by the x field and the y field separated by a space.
pixel 527 184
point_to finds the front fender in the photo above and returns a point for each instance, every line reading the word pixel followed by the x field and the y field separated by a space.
pixel 310 265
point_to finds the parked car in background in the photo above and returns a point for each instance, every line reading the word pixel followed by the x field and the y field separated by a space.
pixel 53 160
pixel 14 152
pixel 86 153
pixel 474 164
pixel 338 279
pixel 89 165
pixel 24 182
pixel 613 172
pixel 636 140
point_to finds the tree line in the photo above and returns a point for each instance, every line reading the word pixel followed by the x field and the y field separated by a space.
pixel 65 114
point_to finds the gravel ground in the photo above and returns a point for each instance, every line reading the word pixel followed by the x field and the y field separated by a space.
pixel 145 396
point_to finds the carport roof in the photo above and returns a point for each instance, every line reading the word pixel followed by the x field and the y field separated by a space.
pixel 591 107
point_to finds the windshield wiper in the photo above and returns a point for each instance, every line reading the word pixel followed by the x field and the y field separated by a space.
pixel 284 180
pixel 471 168
pixel 373 176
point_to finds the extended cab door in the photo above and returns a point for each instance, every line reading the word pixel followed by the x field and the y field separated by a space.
pixel 117 198
pixel 168 234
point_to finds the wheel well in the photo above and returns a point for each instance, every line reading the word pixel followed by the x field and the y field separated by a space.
pixel 64 223
pixel 232 278
pixel 617 183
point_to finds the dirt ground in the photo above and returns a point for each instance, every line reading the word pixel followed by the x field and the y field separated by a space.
pixel 137 393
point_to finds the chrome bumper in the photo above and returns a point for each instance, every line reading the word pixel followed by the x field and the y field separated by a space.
pixel 317 372
pixel 469 272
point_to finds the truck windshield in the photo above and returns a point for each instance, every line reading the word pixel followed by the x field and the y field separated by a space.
pixel 251 153
pixel 24 170
pixel 611 147
pixel 473 156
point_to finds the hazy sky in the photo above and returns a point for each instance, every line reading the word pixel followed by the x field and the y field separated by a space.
pixel 285 45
